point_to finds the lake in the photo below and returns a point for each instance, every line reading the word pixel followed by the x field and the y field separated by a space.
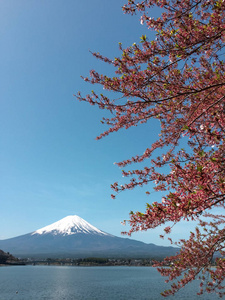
pixel 84 283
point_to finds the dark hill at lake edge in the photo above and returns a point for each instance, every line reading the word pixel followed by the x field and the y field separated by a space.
pixel 8 259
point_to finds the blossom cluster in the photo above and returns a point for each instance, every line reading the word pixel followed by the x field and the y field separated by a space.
pixel 178 79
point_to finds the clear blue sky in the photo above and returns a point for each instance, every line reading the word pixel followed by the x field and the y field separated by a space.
pixel 51 165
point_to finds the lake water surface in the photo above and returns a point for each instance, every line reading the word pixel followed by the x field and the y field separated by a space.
pixel 84 283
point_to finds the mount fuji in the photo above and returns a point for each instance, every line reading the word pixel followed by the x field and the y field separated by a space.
pixel 73 237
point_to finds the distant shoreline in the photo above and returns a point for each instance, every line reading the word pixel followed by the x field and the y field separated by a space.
pixel 16 263
pixel 89 262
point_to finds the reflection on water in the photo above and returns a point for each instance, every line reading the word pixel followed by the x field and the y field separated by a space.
pixel 84 283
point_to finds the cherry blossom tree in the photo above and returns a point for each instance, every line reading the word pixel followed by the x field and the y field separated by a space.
pixel 178 79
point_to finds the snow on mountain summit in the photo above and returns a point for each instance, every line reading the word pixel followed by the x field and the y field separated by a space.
pixel 68 226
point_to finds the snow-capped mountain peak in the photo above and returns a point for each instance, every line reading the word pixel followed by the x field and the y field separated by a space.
pixel 68 226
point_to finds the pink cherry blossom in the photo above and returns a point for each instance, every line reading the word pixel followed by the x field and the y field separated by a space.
pixel 179 80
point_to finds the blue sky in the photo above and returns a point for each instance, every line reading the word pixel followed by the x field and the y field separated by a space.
pixel 51 164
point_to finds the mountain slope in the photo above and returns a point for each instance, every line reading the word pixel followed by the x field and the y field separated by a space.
pixel 74 237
